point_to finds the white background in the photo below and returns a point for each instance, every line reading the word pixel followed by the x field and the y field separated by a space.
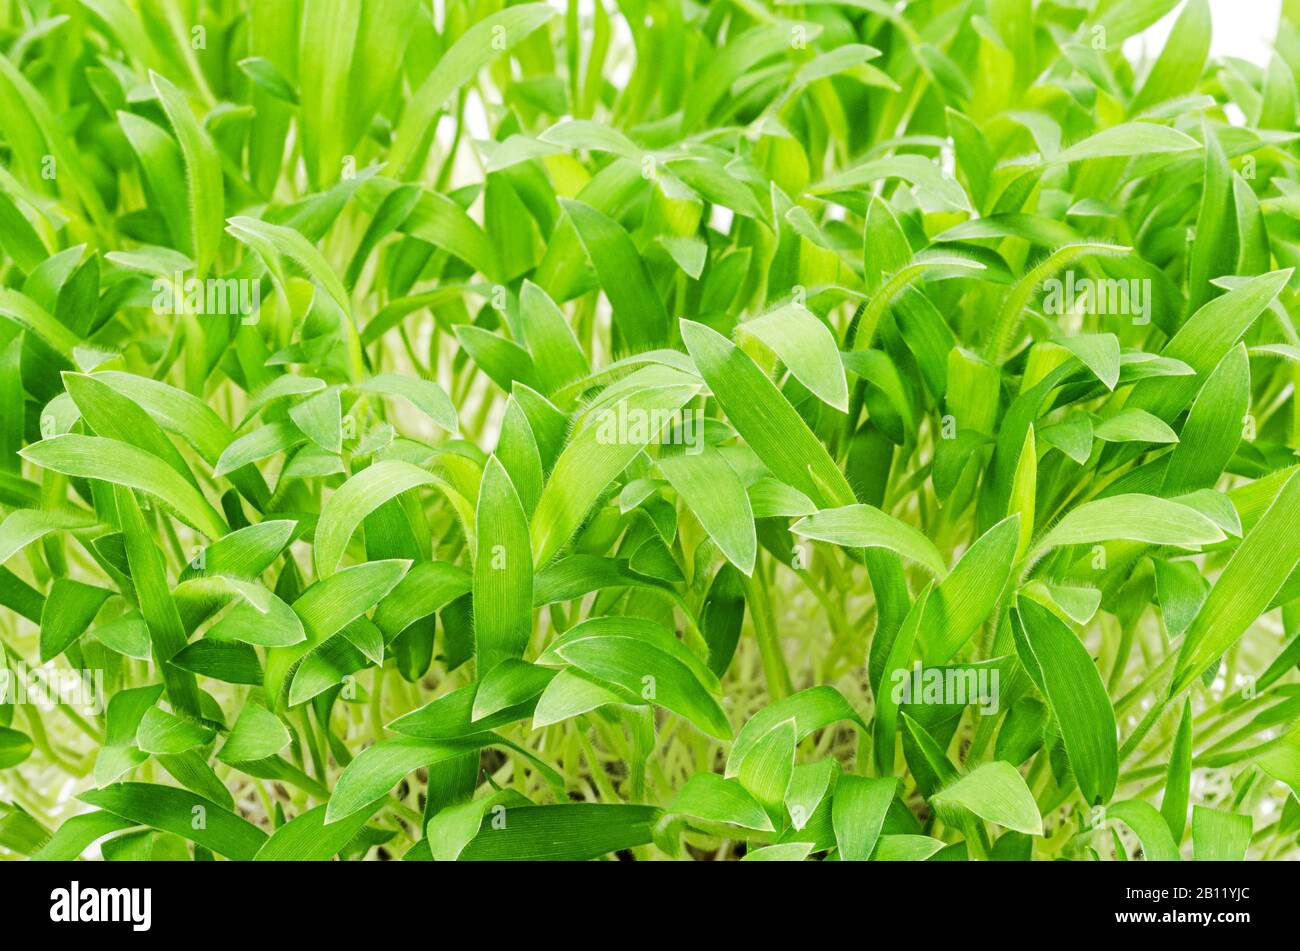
pixel 1242 28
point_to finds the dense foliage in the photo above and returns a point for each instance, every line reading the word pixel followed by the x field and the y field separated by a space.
pixel 646 428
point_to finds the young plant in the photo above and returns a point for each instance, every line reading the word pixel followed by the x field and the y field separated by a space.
pixel 487 430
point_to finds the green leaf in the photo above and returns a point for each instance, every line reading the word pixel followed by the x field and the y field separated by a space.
pixel 162 732
pixel 257 734
pixel 511 683
pixel 864 526
pixel 570 694
pixel 812 709
pixel 906 848
pixel 1219 836
pixel 357 498
pixel 24 526
pixel 428 587
pixel 329 32
pixel 858 813
pixel 555 351
pixel 327 607
pixel 25 314
pixel 94 457
pixel 710 799
pixel 18 238
pixel 713 491
pixel 781 852
pixel 1134 425
pixel 206 189
pixel 15 747
pixel 571 833
pixel 768 768
pixel 378 768
pixel 1139 518
pixel 166 630
pixel 1214 252
pixel 722 617
pixel 1180 63
pixel 1100 353
pixel 176 811
pixel 69 609
pixel 648 672
pixel 257 445
pixel 1126 139
pixel 1062 670
pixel 897 665
pixel 996 793
pixel 1021 733
pixel 1244 589
pixel 597 451
pixel 1204 340
pixel 639 313
pixel 425 395
pixel 260 619
pixel 913 169
pixel 77 834
pixel 320 417
pixel 1213 427
pixel 805 345
pixel 1178 779
pixel 966 598
pixel 503 572
pixel 292 244
pixel 766 420
pixel 263 72
pixel 308 838
pixel 246 553
pixel 1148 825
pixel 458 65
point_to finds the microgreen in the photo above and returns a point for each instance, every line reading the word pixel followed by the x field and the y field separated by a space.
pixel 465 429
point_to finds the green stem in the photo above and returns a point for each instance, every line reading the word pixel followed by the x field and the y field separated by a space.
pixel 775 670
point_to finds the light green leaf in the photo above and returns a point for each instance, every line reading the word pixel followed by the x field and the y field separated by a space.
pixel 996 793
pixel 865 526
pixel 1139 518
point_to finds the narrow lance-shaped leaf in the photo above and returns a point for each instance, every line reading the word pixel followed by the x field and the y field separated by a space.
pixel 94 457
pixel 652 674
pixel 716 495
pixel 358 497
pixel 1061 668
pixel 203 174
pixel 175 811
pixel 166 631
pixel 479 44
pixel 765 418
pixel 966 597
pixel 639 314
pixel 806 346
pixel 994 792
pixel 503 572
pixel 1139 518
pixel 1243 591
pixel 1179 777
pixel 858 813
pixel 865 526
pixel 604 441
